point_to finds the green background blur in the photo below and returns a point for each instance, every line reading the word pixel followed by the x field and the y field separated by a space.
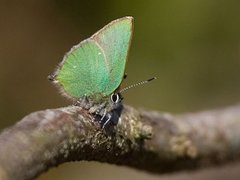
pixel 193 47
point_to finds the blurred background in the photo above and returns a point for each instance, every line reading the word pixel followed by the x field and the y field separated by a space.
pixel 193 47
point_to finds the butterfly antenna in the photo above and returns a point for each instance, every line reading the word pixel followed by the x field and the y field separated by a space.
pixel 137 84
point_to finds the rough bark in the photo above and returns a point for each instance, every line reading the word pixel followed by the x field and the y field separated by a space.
pixel 152 141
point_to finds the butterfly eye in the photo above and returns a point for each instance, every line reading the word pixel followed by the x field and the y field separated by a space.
pixel 115 97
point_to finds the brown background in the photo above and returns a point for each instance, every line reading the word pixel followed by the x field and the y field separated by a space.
pixel 193 47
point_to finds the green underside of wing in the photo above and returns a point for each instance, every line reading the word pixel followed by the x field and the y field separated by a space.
pixel 115 42
pixel 84 71
pixel 96 66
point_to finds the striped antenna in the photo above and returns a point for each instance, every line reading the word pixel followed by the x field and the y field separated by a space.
pixel 137 84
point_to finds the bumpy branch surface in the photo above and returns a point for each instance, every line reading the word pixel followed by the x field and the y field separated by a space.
pixel 152 141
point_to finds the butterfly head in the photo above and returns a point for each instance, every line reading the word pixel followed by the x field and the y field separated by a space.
pixel 115 100
pixel 111 102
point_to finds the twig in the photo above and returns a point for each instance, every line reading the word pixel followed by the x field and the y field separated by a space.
pixel 151 141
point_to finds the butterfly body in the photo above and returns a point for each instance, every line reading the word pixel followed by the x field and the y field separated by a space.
pixel 92 71
pixel 105 111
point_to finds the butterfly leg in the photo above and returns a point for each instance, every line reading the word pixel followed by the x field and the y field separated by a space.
pixel 83 102
pixel 104 114
pixel 107 121
pixel 98 109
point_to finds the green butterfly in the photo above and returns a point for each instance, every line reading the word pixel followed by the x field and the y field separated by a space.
pixel 92 71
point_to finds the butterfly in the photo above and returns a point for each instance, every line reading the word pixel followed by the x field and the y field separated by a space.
pixel 92 71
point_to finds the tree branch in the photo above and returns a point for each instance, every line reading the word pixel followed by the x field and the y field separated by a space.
pixel 152 141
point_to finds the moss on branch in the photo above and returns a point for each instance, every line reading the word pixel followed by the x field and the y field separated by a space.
pixel 151 141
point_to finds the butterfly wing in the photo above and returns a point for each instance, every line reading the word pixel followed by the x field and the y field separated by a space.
pixel 83 71
pixel 96 66
pixel 115 40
